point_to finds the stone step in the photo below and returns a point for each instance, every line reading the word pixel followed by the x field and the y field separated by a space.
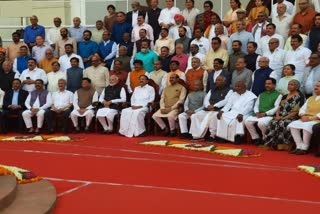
pixel 8 189
pixel 33 198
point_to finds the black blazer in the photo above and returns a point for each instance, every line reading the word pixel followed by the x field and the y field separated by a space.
pixel 7 100
pixel 129 16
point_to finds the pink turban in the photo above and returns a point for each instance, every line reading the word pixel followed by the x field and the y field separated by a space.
pixel 179 17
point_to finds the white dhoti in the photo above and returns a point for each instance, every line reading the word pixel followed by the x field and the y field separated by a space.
pixel 228 126
pixel 201 121
pixel 89 114
pixel 172 116
pixel 27 115
pixel 302 142
pixel 132 121
pixel 262 124
pixel 108 113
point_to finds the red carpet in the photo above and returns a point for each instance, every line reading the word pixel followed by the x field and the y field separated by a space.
pixel 113 174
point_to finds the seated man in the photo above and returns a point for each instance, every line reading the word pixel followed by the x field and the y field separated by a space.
pixel 110 98
pixel 61 104
pixel 192 105
pixel 83 101
pixel 172 96
pixel 37 102
pixel 132 118
pixel 239 106
pixel 264 110
pixel 13 104
pixel 309 116
pixel 215 99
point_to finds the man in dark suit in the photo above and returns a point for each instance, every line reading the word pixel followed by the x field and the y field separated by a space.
pixel 217 71
pixel 13 104
pixel 132 16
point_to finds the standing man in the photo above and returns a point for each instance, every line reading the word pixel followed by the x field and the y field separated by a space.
pixel 107 48
pixel 38 51
pixel 61 105
pixel 271 33
pixel 76 31
pixel 241 35
pixel 54 35
pixel 65 39
pixel 147 56
pixel 30 76
pixel 13 47
pixel 74 75
pixel 37 102
pixel 120 27
pixel 98 74
pixel 64 60
pixel 6 76
pixel 97 32
pixel 87 48
pixel 21 62
pixel 46 63
pixel 32 31
pixel 202 42
pixel 111 98
pixel 152 18
pixel 260 76
pixel 166 18
pixel 305 16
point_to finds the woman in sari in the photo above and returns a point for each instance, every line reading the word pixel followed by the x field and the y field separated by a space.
pixel 278 136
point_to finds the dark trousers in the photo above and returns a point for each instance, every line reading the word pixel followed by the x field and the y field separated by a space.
pixel 316 133
pixel 51 117
pixel 4 119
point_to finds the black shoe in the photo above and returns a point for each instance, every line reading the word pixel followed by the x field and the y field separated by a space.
pixel 76 130
pixel 173 133
pixel 185 136
pixel 317 155
pixel 301 152
pixel 210 139
pixel 257 142
pixel 237 139
pixel 143 134
pixel 294 151
pixel 50 131
pixel 64 131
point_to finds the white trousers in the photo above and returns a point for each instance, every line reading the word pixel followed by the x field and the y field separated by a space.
pixel 108 113
pixel 302 143
pixel 132 121
pixel 201 121
pixel 262 124
pixel 89 114
pixel 228 126
pixel 183 122
pixel 27 115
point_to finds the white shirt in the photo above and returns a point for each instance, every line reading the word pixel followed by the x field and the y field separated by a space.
pixel 64 61
pixel 135 32
pixel 36 73
pixel 174 32
pixel 36 104
pixel 198 55
pixel 283 25
pixel 134 17
pixel 213 34
pixel 53 35
pixel 203 43
pixel 290 9
pixel 276 61
pixel 122 98
pixel 240 103
pixel 299 58
pixel 167 15
pixel 258 29
pixel 142 96
pixel 216 74
pixel 190 16
pixel 53 78
pixel 263 45
pixel 61 99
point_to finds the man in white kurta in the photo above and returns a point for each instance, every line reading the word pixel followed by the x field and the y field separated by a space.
pixel 53 35
pixel 166 18
pixel 298 56
pixel 132 118
pixel 98 74
pixel 264 109
pixel 64 60
pixel 310 115
pixel 36 103
pixel 192 105
pixel 54 76
pixel 111 97
pixel 264 41
pixel 31 74
pixel 216 98
pixel 238 108
pixel 83 101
